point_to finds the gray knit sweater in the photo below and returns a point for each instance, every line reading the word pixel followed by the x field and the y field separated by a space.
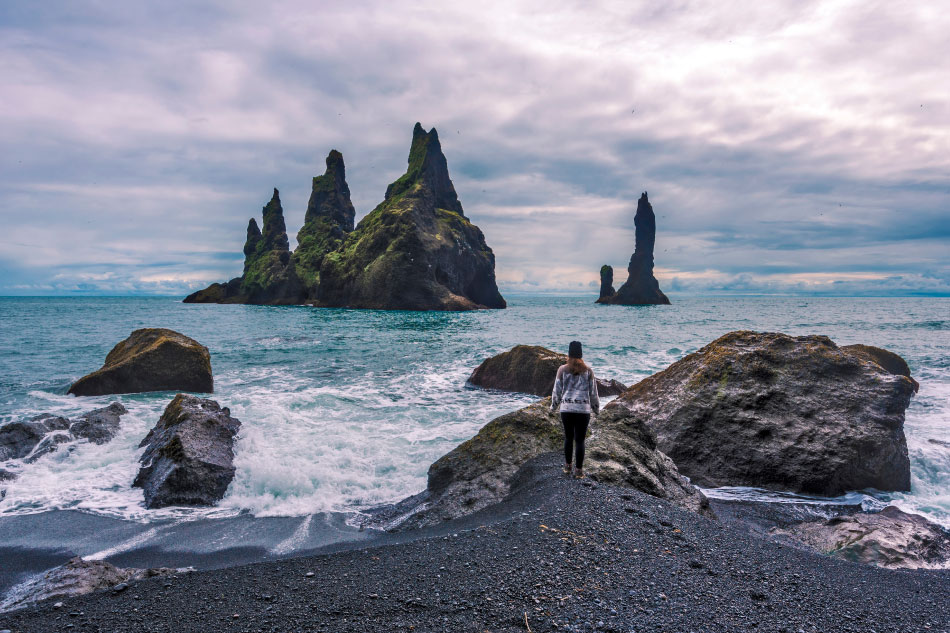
pixel 575 393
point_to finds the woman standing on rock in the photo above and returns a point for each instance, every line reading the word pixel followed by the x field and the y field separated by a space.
pixel 575 396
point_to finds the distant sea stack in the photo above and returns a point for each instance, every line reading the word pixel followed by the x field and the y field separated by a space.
pixel 415 251
pixel 641 287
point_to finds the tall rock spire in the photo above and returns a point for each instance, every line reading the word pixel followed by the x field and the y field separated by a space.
pixel 252 244
pixel 330 216
pixel 428 169
pixel 275 231
pixel 641 287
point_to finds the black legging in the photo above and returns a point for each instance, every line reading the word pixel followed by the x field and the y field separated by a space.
pixel 575 430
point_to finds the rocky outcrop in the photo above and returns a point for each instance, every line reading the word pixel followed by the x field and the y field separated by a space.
pixel 641 287
pixel 782 412
pixel 189 454
pixel 415 251
pixel 98 426
pixel 75 578
pixel 151 359
pixel 621 450
pixel 885 358
pixel 31 439
pixel 18 439
pixel 270 275
pixel 529 369
pixel 330 217
pixel 889 538
pixel 606 282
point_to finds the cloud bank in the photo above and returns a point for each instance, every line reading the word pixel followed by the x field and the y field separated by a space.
pixel 787 148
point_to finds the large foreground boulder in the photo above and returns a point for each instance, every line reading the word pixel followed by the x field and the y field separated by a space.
pixel 151 359
pixel 75 578
pixel 479 472
pixel 529 369
pixel 889 538
pixel 777 411
pixel 189 454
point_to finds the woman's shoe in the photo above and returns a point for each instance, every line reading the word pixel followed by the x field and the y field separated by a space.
pixel 579 473
pixel 567 469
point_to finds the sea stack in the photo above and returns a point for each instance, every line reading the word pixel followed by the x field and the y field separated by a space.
pixel 415 251
pixel 329 219
pixel 641 287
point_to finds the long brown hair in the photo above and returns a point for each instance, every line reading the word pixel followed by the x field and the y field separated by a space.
pixel 576 366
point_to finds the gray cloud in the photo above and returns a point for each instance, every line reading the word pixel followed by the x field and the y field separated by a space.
pixel 798 147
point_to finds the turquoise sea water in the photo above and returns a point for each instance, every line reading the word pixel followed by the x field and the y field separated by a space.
pixel 343 409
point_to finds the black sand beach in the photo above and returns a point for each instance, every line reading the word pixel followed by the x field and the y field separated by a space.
pixel 557 554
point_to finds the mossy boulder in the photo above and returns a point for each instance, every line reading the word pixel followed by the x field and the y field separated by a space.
pixel 529 369
pixel 151 359
pixel 189 454
pixel 479 472
pixel 778 411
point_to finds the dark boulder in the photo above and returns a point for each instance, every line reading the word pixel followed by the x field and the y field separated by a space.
pixel 776 411
pixel 5 475
pixel 98 426
pixel 18 439
pixel 529 369
pixel 479 472
pixel 75 578
pixel 189 454
pixel 641 287
pixel 151 359
pixel 885 358
pixel 889 538
pixel 47 445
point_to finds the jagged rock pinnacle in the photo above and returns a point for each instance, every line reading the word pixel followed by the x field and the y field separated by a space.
pixel 641 287
pixel 428 168
pixel 275 231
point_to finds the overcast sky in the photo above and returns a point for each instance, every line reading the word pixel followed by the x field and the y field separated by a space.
pixel 786 147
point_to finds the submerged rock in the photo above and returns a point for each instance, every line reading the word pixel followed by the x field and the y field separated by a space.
pixel 415 251
pixel 75 578
pixel 889 538
pixel 782 412
pixel 31 439
pixel 479 472
pixel 99 426
pixel 151 359
pixel 641 287
pixel 18 439
pixel 189 454
pixel 529 369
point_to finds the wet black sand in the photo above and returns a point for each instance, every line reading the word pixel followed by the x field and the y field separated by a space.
pixel 558 554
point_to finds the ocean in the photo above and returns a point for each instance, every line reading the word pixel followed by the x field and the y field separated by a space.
pixel 346 409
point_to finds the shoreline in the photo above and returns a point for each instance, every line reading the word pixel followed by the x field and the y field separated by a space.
pixel 568 555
